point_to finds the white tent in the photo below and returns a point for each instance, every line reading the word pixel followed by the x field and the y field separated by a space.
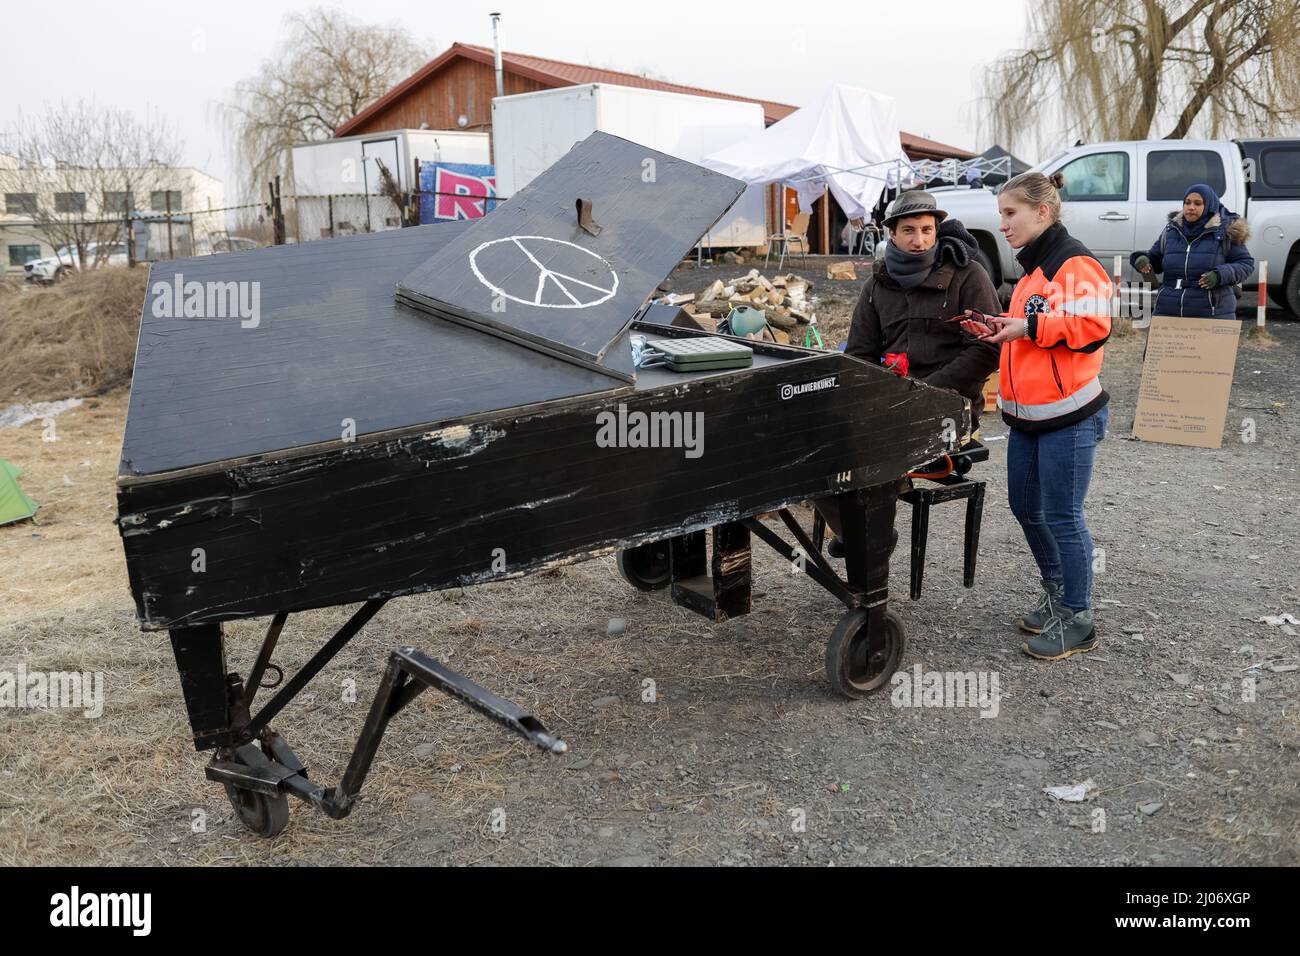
pixel 846 140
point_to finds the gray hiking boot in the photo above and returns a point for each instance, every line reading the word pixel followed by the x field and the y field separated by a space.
pixel 1048 607
pixel 1071 633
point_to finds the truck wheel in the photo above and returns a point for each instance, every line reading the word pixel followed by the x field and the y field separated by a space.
pixel 1291 291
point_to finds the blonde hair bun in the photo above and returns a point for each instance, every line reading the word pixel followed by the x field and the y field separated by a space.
pixel 1034 189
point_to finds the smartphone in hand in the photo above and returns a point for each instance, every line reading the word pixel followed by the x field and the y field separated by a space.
pixel 977 323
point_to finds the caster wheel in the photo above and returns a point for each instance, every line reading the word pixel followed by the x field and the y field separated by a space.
pixel 647 567
pixel 849 668
pixel 265 815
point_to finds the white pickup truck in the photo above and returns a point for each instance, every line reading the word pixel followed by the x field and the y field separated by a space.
pixel 1118 196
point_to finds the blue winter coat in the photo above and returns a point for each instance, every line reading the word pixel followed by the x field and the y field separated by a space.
pixel 1219 246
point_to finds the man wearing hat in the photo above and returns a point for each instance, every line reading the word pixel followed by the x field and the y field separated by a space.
pixel 929 274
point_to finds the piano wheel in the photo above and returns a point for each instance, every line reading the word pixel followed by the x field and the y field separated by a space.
pixel 647 567
pixel 848 668
pixel 262 813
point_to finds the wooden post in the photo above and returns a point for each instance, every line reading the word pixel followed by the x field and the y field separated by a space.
pixel 826 221
pixel 276 211
pixel 279 215
pixel 130 233
pixel 167 195
pixel 773 204
pixel 417 199
pixel 130 241
pixel 1263 294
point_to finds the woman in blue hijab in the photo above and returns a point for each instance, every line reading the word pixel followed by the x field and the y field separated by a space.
pixel 1202 255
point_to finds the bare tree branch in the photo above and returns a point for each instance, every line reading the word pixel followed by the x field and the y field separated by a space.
pixel 1102 69
pixel 82 168
pixel 327 69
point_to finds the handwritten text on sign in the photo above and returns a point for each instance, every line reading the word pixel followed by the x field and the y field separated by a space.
pixel 1186 380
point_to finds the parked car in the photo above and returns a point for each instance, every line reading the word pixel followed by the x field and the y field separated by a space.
pixel 66 259
pixel 233 244
pixel 207 246
pixel 1118 196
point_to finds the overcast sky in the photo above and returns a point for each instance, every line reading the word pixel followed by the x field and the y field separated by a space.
pixel 181 59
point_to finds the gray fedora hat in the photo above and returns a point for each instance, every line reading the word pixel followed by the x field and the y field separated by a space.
pixel 916 202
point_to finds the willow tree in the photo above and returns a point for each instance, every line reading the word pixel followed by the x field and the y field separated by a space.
pixel 1143 69
pixel 326 69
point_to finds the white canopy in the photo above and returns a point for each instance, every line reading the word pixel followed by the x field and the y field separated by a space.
pixel 826 143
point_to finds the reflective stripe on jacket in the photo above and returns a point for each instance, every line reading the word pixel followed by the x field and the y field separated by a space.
pixel 1049 379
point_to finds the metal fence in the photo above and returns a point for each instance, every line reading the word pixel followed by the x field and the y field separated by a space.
pixel 179 234
pixel 306 218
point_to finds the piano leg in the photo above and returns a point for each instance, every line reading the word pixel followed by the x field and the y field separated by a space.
pixel 200 653
pixel 214 702
pixel 257 767
pixel 868 643
pixel 719 588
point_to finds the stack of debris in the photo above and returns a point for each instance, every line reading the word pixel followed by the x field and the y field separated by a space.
pixel 784 300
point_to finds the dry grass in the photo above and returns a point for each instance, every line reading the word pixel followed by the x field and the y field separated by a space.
pixel 74 338
pixel 125 788
pixel 1260 337
pixel 741 708
pixel 833 322
pixel 69 556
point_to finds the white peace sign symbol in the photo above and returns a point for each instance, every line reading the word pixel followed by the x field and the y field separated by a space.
pixel 558 279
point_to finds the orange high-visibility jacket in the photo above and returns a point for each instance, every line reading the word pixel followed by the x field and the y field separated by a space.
pixel 1049 379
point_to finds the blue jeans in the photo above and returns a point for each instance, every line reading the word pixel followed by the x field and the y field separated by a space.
pixel 1047 479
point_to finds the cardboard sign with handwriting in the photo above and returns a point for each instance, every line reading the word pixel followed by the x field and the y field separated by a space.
pixel 1186 379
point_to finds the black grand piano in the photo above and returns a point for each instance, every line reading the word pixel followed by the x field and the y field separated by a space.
pixel 352 420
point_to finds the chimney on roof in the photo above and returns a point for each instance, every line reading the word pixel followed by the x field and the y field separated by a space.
pixel 496 52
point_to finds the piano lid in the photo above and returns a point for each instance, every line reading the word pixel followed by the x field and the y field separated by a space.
pixel 328 354
pixel 565 264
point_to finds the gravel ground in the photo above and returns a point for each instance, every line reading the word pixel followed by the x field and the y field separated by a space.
pixel 743 756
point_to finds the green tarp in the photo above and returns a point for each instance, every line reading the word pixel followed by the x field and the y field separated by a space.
pixel 14 504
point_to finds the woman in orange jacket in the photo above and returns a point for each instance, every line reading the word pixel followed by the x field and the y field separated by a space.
pixel 1051 397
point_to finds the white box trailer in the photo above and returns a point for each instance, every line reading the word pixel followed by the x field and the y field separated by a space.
pixel 530 131
pixel 338 181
